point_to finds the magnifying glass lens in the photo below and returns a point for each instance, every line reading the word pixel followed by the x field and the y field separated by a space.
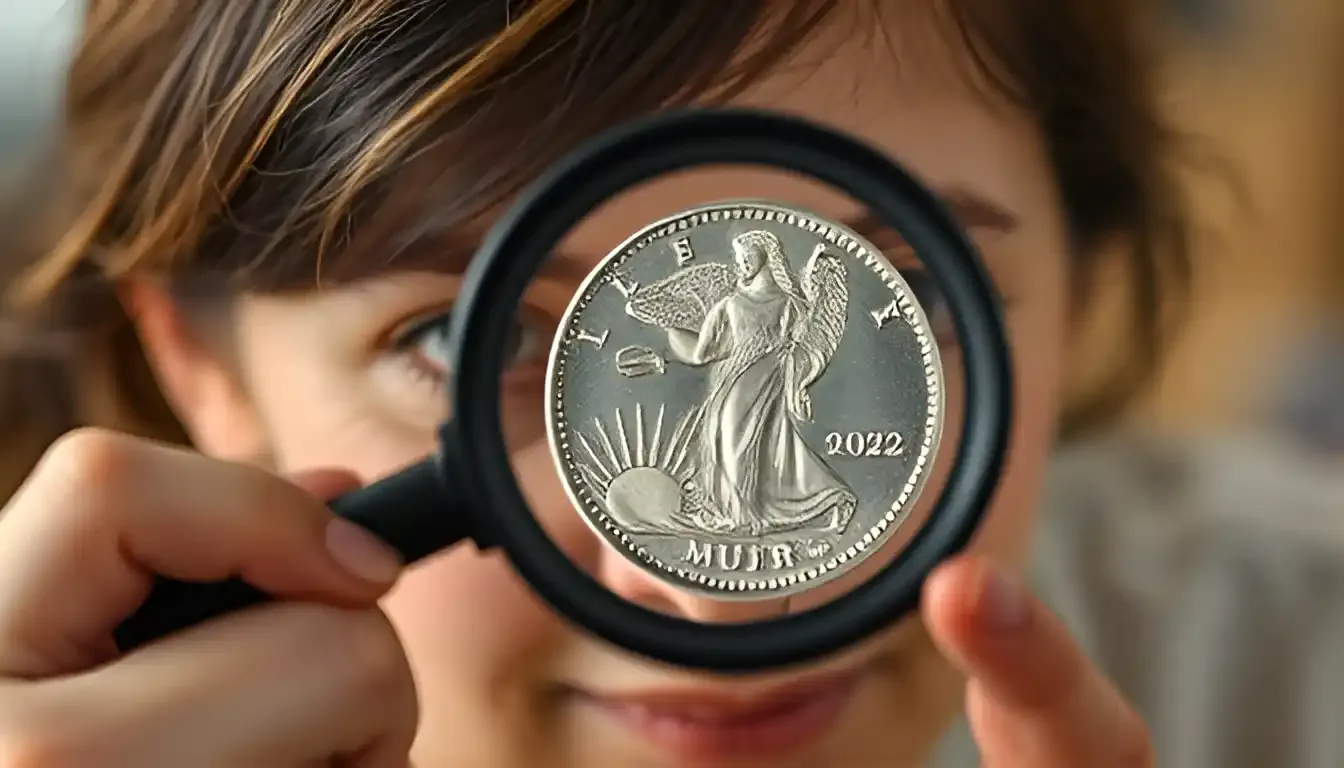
pixel 740 406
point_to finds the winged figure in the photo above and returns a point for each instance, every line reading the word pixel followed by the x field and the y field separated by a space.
pixel 765 336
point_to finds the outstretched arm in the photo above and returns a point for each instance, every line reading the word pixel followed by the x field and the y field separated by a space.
pixel 685 345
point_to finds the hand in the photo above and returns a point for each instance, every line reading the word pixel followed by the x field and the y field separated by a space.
pixel 1033 699
pixel 318 682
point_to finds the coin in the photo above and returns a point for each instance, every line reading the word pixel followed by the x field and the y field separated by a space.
pixel 744 399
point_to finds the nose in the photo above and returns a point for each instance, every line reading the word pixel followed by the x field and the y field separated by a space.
pixel 636 585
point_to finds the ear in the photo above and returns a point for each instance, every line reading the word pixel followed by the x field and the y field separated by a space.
pixel 198 379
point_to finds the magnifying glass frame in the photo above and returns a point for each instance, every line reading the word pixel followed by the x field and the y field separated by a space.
pixel 474 452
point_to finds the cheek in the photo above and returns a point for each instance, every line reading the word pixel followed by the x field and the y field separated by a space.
pixel 478 603
pixel 1037 339
pixel 1007 528
pixel 316 419
pixel 480 641
pixel 467 618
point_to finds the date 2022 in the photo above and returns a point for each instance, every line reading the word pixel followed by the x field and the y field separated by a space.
pixel 865 444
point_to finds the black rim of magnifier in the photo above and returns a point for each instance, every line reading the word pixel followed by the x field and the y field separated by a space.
pixel 560 199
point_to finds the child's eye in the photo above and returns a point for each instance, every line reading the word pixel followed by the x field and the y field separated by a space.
pixel 426 345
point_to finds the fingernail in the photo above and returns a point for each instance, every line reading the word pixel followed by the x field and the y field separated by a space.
pixel 361 553
pixel 1004 605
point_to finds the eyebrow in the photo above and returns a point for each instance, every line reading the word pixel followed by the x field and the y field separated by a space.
pixel 451 254
pixel 971 211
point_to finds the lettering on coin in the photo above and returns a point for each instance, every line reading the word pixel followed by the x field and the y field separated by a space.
pixel 682 247
pixel 626 288
pixel 886 314
pixel 752 558
pixel 719 466
pixel 594 339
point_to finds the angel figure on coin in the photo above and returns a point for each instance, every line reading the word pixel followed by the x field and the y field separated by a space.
pixel 765 336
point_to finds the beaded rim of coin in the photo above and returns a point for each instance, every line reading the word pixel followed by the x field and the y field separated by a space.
pixel 837 564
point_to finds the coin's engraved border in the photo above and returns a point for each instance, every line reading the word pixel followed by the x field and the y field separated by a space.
pixel 558 427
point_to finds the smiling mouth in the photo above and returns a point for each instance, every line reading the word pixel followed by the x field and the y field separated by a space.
pixel 706 724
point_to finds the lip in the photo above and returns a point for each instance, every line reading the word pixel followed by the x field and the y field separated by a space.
pixel 701 724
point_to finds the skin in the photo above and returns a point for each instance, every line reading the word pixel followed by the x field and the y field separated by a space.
pixel 460 642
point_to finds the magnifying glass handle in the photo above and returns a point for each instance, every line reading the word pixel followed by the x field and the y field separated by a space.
pixel 414 511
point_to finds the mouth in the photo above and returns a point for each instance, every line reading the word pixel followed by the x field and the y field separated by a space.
pixel 700 724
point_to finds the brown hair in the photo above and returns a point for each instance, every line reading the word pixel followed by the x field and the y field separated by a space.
pixel 252 145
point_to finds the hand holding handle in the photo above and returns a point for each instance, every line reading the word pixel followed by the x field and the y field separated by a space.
pixel 412 511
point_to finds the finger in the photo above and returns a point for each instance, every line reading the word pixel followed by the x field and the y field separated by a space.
pixel 285 684
pixel 1033 698
pixel 325 483
pixel 102 513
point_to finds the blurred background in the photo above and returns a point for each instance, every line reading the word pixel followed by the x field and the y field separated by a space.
pixel 35 39
pixel 1257 84
pixel 1258 88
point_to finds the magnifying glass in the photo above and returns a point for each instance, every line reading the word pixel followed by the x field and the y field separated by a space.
pixel 745 402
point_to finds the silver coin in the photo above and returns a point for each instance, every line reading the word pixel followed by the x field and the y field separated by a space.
pixel 744 399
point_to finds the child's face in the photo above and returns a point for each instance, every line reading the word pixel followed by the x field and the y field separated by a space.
pixel 502 680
